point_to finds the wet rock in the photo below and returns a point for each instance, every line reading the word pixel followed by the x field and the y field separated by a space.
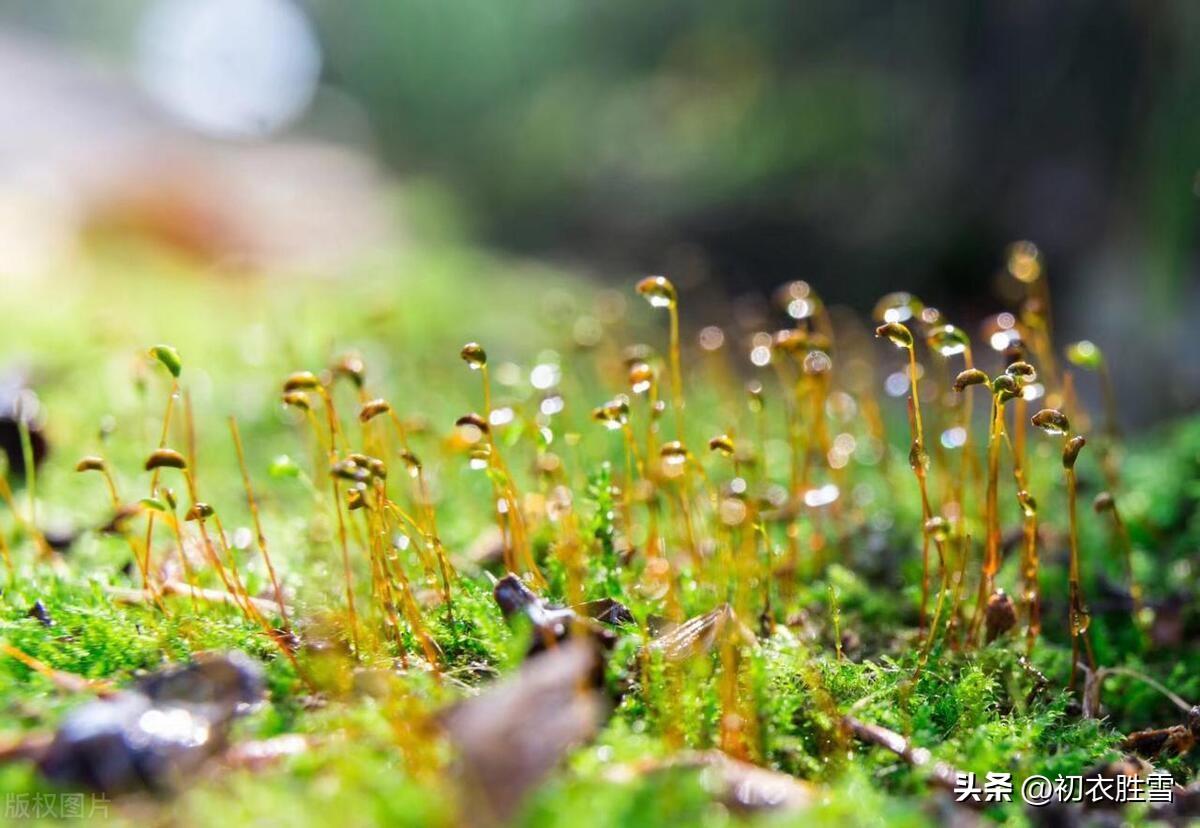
pixel 151 737
pixel 513 734
pixel 223 684
pixel 550 624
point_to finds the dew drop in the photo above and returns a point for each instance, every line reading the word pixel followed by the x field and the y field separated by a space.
pixel 658 291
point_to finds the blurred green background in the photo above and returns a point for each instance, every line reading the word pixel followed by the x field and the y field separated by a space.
pixel 864 146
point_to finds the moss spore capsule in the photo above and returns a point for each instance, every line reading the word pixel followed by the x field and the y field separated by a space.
pixel 1071 451
pixel 722 444
pixel 301 381
pixel 1022 371
pixel 474 355
pixel 199 511
pixel 657 290
pixel 372 409
pixel 90 463
pixel 896 333
pixel 969 377
pixel 473 420
pixel 165 458
pixel 1052 421
pixel 169 358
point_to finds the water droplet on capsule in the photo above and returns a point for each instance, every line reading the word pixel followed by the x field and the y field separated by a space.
pixel 938 528
pixel 1052 421
pixel 1071 451
pixel 1028 503
pixel 1022 371
pixel 473 354
pixel 896 333
pixel 658 291
pixel 641 377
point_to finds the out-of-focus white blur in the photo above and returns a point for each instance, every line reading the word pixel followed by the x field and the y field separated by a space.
pixel 234 68
pixel 199 142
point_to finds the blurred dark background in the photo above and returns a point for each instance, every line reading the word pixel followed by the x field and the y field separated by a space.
pixel 863 146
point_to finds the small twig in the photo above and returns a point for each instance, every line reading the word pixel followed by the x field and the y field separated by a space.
pixel 940 773
pixel 1093 681
pixel 212 596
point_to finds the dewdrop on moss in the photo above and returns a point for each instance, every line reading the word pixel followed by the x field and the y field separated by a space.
pixel 658 291
pixel 1028 503
pixel 899 335
pixel 1022 371
pixel 473 354
pixel 1052 421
